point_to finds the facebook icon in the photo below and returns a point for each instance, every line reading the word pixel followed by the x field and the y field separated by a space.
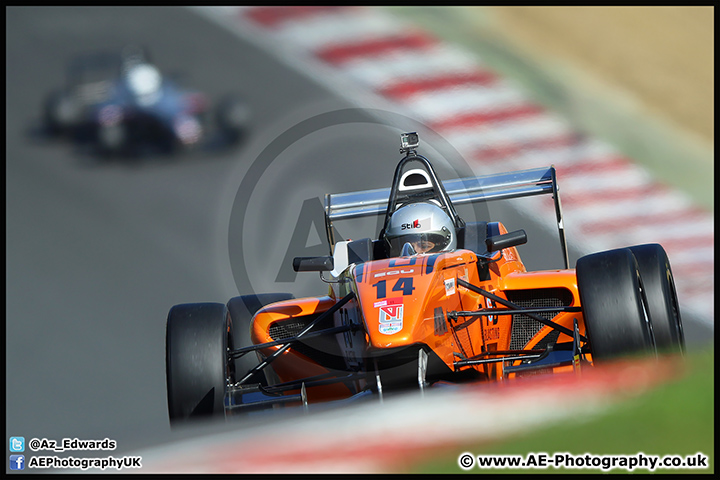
pixel 17 462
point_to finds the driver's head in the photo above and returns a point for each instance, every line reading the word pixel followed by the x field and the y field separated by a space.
pixel 424 225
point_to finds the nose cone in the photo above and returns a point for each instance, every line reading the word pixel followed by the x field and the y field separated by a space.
pixel 394 297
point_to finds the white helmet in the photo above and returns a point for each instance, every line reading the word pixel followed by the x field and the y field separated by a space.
pixel 424 225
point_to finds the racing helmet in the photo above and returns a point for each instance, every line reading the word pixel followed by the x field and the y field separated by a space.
pixel 424 225
pixel 143 79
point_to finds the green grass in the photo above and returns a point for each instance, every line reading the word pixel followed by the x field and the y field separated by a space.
pixel 676 418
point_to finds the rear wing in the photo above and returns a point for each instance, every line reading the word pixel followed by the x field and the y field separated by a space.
pixel 501 186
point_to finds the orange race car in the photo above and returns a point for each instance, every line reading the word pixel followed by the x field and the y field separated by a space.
pixel 434 300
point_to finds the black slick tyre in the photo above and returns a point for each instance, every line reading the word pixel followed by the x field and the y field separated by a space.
pixel 197 338
pixel 614 305
pixel 663 306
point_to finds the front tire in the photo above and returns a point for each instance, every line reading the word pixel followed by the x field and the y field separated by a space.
pixel 663 305
pixel 197 340
pixel 614 305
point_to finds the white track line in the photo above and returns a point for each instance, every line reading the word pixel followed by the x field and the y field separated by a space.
pixel 383 70
pixel 345 26
pixel 512 132
pixel 441 105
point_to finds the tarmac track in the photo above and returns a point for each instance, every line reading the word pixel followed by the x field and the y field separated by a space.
pixel 98 251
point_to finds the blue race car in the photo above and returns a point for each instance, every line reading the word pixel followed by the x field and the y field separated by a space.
pixel 119 103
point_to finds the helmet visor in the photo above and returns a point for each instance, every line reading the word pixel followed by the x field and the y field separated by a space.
pixel 421 242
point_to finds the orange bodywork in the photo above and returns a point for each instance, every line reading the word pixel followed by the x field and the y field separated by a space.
pixel 404 302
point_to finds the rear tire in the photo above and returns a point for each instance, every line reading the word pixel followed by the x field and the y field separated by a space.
pixel 663 306
pixel 614 305
pixel 197 338
pixel 242 310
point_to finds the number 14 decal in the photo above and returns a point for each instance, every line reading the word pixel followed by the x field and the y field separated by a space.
pixel 404 285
